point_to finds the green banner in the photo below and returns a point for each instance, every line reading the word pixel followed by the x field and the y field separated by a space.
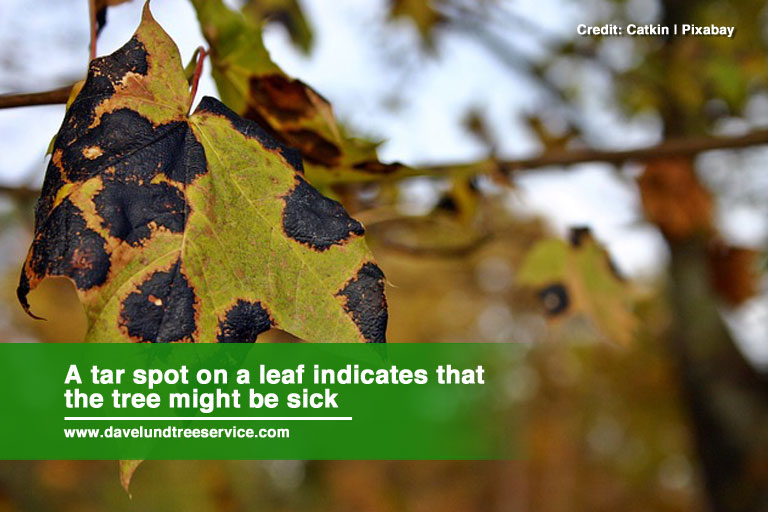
pixel 257 401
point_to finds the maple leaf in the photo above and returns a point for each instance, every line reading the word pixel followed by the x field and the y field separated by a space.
pixel 190 228
pixel 579 277
pixel 256 88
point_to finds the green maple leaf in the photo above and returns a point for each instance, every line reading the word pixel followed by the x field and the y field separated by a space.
pixel 192 228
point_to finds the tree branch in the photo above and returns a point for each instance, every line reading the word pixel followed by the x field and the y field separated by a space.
pixel 94 29
pixel 52 97
pixel 19 193
pixel 687 146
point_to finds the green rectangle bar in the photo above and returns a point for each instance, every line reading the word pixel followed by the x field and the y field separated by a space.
pixel 376 402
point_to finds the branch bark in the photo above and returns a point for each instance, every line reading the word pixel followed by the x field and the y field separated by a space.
pixel 52 97
pixel 20 193
pixel 685 146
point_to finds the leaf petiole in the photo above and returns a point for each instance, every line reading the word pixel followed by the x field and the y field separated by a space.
pixel 201 54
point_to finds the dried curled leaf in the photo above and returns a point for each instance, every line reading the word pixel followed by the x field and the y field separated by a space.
pixel 256 88
pixel 178 227
pixel 735 272
pixel 674 200
pixel 579 278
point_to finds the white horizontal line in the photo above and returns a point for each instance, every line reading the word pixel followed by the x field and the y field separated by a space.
pixel 205 418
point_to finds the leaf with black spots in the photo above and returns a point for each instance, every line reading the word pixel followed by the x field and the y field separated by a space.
pixel 294 113
pixel 577 277
pixel 555 299
pixel 192 228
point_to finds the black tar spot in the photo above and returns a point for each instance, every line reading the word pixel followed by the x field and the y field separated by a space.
pixel 447 203
pixel 138 150
pixel 163 308
pixel 257 129
pixel 23 289
pixel 51 185
pixel 104 73
pixel 313 219
pixel 64 246
pixel 366 302
pixel 194 162
pixel 243 323
pixel 248 128
pixel 128 209
pixel 555 299
pixel 577 235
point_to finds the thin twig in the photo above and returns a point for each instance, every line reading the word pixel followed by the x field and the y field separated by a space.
pixel 19 193
pixel 52 97
pixel 686 146
pixel 456 251
pixel 94 32
pixel 201 54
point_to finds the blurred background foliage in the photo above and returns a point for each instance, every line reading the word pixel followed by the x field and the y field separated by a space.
pixel 635 390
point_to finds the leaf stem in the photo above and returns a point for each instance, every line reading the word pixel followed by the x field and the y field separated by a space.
pixel 202 54
pixel 22 193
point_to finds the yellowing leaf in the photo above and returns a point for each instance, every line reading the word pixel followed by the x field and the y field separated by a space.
pixel 192 228
pixel 256 88
pixel 580 278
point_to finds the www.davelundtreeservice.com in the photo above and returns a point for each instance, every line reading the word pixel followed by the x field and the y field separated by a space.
pixel 683 29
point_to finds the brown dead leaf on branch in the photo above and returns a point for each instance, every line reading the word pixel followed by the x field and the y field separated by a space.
pixel 674 200
pixel 252 85
pixel 734 272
